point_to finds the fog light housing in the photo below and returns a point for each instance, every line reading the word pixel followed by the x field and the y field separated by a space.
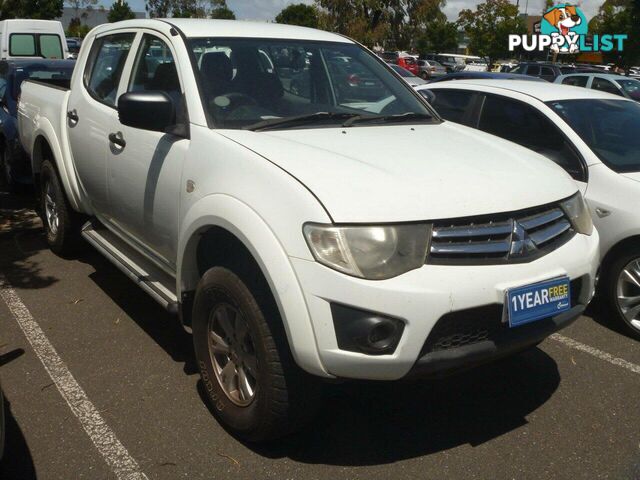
pixel 366 332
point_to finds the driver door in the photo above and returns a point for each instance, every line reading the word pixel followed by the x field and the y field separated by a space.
pixel 145 167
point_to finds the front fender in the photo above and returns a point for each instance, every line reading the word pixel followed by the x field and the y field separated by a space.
pixel 238 218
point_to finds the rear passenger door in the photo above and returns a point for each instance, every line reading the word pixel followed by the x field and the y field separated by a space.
pixel 525 125
pixel 455 105
pixel 91 109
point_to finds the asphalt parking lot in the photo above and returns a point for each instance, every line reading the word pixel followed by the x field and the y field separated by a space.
pixel 100 382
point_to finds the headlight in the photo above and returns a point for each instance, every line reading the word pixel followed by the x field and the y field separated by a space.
pixel 578 212
pixel 372 252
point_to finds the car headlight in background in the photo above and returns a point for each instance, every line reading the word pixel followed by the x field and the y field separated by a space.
pixel 578 212
pixel 372 252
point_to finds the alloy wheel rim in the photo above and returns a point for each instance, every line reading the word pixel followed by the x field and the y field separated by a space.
pixel 51 209
pixel 232 353
pixel 628 293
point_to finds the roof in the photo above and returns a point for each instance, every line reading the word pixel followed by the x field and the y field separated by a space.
pixel 200 27
pixel 545 92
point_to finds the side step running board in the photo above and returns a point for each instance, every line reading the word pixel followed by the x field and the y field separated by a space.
pixel 150 278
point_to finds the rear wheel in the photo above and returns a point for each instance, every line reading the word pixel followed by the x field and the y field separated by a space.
pixel 622 290
pixel 424 75
pixel 256 389
pixel 61 223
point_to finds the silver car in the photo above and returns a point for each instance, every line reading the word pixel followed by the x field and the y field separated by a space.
pixel 605 82
pixel 430 69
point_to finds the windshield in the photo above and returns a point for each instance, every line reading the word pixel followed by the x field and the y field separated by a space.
pixel 609 127
pixel 247 81
pixel 631 87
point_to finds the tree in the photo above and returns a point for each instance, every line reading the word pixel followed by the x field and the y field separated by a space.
pixel 36 9
pixel 439 36
pixel 619 16
pixel 221 11
pixel 120 10
pixel 85 5
pixel 159 8
pixel 299 14
pixel 489 27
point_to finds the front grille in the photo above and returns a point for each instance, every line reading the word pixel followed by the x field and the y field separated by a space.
pixel 504 238
pixel 466 327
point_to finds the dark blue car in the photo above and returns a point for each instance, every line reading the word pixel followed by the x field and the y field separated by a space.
pixel 15 167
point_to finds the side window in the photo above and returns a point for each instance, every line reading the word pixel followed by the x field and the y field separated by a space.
pixel 524 125
pixel 155 69
pixel 106 61
pixel 22 44
pixel 605 86
pixel 533 70
pixel 547 72
pixel 452 104
pixel 575 81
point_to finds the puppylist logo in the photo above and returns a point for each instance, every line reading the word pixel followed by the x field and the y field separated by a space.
pixel 564 29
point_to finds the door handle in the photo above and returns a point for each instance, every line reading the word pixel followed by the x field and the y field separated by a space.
pixel 116 139
pixel 73 115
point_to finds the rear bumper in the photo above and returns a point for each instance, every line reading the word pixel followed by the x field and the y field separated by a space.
pixel 507 342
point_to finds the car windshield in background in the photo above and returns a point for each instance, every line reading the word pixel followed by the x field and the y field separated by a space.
pixel 293 84
pixel 609 127
pixel 632 87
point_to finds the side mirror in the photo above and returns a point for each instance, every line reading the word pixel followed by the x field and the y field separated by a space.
pixel 147 110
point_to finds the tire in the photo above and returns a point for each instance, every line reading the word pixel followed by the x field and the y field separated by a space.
pixel 61 223
pixel 424 76
pixel 617 283
pixel 278 397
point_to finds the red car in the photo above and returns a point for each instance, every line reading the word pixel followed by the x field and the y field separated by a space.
pixel 410 63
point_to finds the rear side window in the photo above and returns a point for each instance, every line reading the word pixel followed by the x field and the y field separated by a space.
pixel 452 104
pixel 605 86
pixel 105 65
pixel 50 46
pixel 575 81
pixel 547 72
pixel 522 124
pixel 533 70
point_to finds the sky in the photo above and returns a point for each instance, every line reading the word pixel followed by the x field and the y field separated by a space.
pixel 266 10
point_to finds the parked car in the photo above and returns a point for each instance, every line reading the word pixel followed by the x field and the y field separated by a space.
pixel 546 71
pixel 407 76
pixel 592 135
pixel 430 69
pixel 32 38
pixel 605 82
pixel 409 63
pixel 73 45
pixel 451 62
pixel 485 75
pixel 15 168
pixel 295 236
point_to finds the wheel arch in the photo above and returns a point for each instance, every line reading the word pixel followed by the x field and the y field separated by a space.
pixel 624 245
pixel 238 234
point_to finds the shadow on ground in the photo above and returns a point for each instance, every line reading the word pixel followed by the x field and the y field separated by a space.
pixel 364 423
pixel 21 238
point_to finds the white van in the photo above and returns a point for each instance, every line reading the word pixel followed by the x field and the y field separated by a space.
pixel 32 38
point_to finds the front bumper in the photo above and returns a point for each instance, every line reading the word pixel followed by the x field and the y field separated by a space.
pixel 422 297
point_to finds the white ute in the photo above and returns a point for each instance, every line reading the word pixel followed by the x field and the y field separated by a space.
pixel 296 233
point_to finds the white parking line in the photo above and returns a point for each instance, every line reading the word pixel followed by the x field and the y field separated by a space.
pixel 570 342
pixel 113 452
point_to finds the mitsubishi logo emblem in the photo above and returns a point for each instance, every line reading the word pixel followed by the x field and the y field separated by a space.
pixel 521 243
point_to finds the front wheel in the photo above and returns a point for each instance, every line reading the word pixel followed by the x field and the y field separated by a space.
pixel 622 290
pixel 424 76
pixel 256 390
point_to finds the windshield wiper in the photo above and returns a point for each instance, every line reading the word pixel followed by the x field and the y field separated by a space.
pixel 403 117
pixel 299 120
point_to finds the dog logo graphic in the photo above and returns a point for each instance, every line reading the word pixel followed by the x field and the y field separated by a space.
pixel 564 23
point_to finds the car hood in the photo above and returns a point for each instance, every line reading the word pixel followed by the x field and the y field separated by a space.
pixel 410 172
pixel 633 176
